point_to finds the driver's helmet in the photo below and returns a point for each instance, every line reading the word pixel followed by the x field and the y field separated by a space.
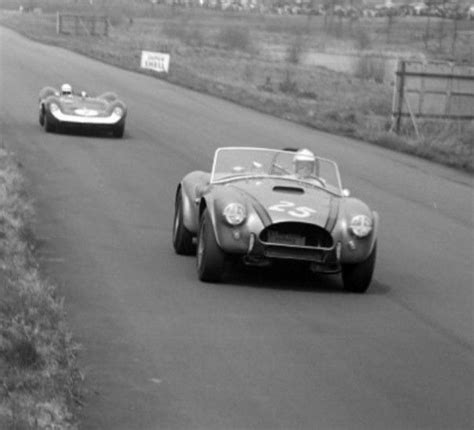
pixel 304 163
pixel 66 90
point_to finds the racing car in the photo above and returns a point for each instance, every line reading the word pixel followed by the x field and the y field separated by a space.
pixel 66 109
pixel 266 206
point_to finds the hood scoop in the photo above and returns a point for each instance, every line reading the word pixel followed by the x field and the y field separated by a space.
pixel 288 190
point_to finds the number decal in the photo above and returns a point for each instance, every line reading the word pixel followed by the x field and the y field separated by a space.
pixel 293 210
pixel 280 207
pixel 302 212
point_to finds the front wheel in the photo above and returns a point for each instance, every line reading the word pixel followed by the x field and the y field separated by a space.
pixel 357 277
pixel 182 237
pixel 48 126
pixel 210 257
pixel 118 130
pixel 41 116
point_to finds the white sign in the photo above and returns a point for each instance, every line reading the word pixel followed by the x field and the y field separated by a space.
pixel 157 61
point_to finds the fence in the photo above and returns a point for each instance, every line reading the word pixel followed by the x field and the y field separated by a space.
pixel 433 90
pixel 82 25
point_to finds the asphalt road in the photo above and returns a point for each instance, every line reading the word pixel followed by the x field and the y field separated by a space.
pixel 262 351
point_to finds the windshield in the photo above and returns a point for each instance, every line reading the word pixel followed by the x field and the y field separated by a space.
pixel 235 163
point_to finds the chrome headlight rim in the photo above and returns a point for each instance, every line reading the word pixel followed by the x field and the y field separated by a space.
pixel 234 214
pixel 361 225
pixel 119 111
pixel 53 107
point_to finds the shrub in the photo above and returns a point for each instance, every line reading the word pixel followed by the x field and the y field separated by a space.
pixel 188 33
pixel 235 37
pixel 369 67
pixel 362 39
pixel 288 86
pixel 295 50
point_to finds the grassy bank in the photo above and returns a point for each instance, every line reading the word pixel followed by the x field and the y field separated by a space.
pixel 260 62
pixel 37 356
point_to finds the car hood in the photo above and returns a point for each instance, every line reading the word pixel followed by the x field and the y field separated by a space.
pixel 83 106
pixel 283 201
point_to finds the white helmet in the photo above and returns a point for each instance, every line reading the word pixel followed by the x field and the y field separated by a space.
pixel 66 90
pixel 304 155
pixel 305 163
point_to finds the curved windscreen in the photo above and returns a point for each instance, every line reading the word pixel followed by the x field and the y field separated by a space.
pixel 235 163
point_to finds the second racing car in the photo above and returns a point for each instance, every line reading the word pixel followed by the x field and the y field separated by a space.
pixel 67 109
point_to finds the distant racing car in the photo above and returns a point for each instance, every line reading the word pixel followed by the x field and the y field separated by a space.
pixel 261 206
pixel 66 109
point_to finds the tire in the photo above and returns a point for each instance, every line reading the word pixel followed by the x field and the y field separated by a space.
pixel 210 257
pixel 357 277
pixel 182 237
pixel 41 116
pixel 48 127
pixel 118 131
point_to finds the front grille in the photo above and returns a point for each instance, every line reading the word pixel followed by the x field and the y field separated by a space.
pixel 296 234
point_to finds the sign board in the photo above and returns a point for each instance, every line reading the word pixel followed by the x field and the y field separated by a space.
pixel 157 61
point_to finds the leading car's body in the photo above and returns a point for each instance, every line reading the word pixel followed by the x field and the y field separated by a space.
pixel 105 112
pixel 252 206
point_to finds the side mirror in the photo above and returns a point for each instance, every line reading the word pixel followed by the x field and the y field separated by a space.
pixel 346 192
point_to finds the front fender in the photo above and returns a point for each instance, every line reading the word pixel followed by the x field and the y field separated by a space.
pixel 120 104
pixel 354 249
pixel 232 239
pixel 192 188
pixel 47 92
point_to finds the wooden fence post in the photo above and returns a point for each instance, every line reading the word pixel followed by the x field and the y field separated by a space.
pixel 401 90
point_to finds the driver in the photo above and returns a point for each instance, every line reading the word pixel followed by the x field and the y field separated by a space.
pixel 305 164
pixel 66 90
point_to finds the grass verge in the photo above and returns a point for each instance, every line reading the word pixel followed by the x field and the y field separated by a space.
pixel 38 369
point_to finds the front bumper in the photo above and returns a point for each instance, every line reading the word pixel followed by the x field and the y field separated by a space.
pixel 59 117
pixel 322 260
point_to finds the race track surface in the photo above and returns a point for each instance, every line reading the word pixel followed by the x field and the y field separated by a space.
pixel 262 351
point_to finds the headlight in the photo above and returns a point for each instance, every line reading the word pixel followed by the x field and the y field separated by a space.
pixel 53 107
pixel 118 111
pixel 235 213
pixel 361 225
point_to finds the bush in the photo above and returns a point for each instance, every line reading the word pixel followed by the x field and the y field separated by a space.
pixel 235 37
pixel 369 67
pixel 295 50
pixel 288 86
pixel 362 39
pixel 191 35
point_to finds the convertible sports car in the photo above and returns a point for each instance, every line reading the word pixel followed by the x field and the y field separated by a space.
pixel 253 206
pixel 105 112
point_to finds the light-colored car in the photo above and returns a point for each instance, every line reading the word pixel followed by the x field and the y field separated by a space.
pixel 78 110
pixel 253 206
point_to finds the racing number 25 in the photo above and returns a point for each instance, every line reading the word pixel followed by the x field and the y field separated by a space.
pixel 291 209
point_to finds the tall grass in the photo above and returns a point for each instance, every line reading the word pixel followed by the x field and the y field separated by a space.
pixel 37 356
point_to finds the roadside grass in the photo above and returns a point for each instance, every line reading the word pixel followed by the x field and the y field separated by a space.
pixel 38 369
pixel 256 61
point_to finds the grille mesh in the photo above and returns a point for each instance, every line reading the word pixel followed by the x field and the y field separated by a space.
pixel 313 235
